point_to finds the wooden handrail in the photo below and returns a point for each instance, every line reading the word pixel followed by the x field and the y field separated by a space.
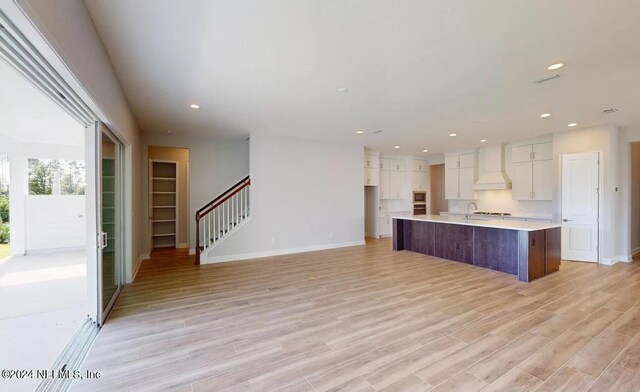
pixel 227 197
pixel 213 204
pixel 221 195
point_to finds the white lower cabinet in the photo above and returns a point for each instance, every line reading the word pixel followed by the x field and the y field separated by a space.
pixel 384 225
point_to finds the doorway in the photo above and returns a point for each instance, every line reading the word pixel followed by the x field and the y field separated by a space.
pixel 438 203
pixel 581 206
pixel 168 197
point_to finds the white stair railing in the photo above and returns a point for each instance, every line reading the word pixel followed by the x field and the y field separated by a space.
pixel 222 216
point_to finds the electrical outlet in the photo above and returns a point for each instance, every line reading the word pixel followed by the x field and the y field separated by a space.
pixel 331 234
pixel 273 240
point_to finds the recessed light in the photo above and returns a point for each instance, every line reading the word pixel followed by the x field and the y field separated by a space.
pixel 453 134
pixel 572 125
pixel 483 140
pixel 425 150
pixel 555 66
pixel 396 147
pixel 545 115
pixel 194 106
pixel 343 89
pixel 359 132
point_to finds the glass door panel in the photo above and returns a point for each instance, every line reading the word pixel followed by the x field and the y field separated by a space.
pixel 110 249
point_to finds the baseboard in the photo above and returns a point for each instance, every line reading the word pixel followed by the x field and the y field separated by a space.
pixel 625 258
pixel 183 245
pixel 54 250
pixel 144 256
pixel 608 261
pixel 279 252
pixel 634 252
pixel 192 251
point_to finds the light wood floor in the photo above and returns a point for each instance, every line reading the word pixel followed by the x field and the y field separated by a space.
pixel 365 319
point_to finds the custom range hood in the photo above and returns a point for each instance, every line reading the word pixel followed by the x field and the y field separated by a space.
pixel 494 177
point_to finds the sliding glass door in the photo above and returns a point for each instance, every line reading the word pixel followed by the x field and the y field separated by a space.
pixel 110 220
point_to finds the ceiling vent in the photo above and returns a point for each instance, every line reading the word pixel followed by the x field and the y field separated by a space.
pixel 379 131
pixel 610 111
pixel 545 78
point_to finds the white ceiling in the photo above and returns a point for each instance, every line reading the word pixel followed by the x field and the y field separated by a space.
pixel 28 115
pixel 415 69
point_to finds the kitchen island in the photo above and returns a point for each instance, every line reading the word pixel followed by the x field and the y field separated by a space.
pixel 529 250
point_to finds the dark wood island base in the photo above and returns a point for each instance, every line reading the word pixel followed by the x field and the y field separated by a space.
pixel 528 253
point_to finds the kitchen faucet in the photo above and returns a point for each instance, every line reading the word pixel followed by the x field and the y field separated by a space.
pixel 469 206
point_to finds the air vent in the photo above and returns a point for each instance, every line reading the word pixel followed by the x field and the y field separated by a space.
pixel 378 131
pixel 609 111
pixel 545 79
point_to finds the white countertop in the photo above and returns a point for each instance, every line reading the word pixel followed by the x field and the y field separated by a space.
pixel 496 224
pixel 524 215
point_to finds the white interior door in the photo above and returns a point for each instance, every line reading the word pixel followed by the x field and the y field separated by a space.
pixel 580 206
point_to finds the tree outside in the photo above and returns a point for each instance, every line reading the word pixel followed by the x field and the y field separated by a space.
pixel 42 174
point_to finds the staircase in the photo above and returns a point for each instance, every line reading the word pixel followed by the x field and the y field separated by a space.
pixel 222 216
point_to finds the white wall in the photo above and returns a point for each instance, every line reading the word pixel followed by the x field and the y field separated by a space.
pixel 55 151
pixel 55 222
pixel 214 165
pixel 305 195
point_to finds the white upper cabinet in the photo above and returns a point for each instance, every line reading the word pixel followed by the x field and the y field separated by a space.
pixel 532 171
pixel 419 181
pixel 521 153
pixel 371 169
pixel 420 165
pixel 543 151
pixel 384 184
pixel 371 160
pixel 461 172
pixel 371 176
pixel 392 178
pixel 451 161
pixel 397 165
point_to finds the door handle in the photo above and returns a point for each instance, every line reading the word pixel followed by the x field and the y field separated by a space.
pixel 567 220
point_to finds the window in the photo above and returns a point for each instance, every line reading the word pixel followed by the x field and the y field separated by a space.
pixel 56 177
